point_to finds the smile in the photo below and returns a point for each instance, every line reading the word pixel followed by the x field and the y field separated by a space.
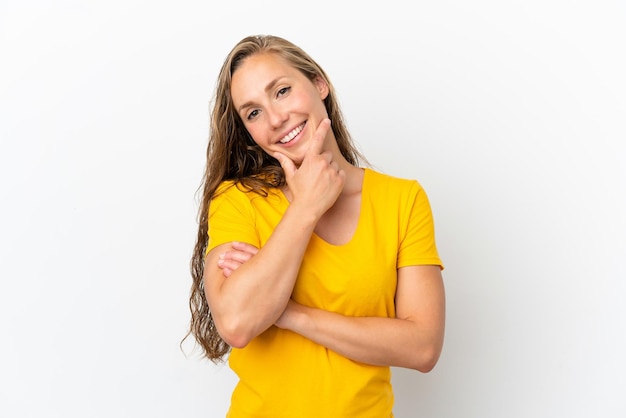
pixel 291 135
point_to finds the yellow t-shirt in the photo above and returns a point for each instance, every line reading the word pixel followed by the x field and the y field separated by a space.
pixel 282 374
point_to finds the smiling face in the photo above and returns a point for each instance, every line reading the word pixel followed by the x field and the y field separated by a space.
pixel 279 106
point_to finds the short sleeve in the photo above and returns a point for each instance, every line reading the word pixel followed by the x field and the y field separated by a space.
pixel 231 218
pixel 417 244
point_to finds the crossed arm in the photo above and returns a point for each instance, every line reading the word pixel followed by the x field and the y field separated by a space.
pixel 413 339
pixel 249 289
pixel 254 293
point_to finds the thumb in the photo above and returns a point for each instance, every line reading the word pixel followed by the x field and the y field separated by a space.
pixel 317 144
pixel 285 162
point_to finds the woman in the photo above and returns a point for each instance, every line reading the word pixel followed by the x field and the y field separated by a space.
pixel 318 273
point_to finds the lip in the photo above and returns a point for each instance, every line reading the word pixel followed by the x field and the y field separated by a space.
pixel 295 139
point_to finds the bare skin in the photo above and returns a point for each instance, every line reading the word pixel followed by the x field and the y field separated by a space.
pixel 249 289
pixel 413 339
pixel 256 294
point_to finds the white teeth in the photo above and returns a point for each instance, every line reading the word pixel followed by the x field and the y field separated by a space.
pixel 291 135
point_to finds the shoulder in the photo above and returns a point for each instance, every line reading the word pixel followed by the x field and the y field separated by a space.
pixel 229 193
pixel 391 185
pixel 224 187
pixel 230 188
pixel 234 189
pixel 238 194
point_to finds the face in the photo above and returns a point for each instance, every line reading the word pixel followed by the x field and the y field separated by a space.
pixel 279 106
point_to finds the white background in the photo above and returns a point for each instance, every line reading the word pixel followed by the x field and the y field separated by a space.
pixel 511 114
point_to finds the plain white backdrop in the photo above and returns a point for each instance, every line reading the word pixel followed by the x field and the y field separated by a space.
pixel 512 115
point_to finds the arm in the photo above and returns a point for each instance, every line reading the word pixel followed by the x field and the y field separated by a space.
pixel 255 295
pixel 252 298
pixel 413 339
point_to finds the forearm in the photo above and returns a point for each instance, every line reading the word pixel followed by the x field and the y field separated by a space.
pixel 251 299
pixel 373 340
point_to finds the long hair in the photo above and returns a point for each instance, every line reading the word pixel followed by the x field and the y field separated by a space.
pixel 233 155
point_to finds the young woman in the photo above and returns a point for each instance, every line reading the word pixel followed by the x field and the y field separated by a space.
pixel 314 274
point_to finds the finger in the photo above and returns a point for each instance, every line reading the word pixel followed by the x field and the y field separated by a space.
pixel 342 175
pixel 238 256
pixel 317 143
pixel 227 272
pixel 328 156
pixel 244 246
pixel 288 166
pixel 229 264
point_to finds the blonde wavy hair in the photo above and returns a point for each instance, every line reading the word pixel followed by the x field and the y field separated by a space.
pixel 232 154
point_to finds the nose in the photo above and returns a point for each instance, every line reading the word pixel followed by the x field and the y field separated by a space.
pixel 277 116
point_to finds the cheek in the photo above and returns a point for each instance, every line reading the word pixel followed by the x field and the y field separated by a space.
pixel 254 133
pixel 316 103
pixel 258 137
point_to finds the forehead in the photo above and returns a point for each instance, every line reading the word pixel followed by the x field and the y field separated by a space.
pixel 262 62
pixel 257 72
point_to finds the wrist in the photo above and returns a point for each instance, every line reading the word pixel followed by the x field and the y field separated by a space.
pixel 304 215
pixel 294 318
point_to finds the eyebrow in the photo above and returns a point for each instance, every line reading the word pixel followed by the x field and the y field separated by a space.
pixel 269 87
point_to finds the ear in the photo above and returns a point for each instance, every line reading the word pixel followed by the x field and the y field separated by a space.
pixel 322 86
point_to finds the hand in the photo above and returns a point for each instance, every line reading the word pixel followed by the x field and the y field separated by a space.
pixel 318 181
pixel 287 318
pixel 231 260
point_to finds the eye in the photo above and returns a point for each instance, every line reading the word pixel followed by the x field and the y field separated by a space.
pixel 252 114
pixel 283 91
